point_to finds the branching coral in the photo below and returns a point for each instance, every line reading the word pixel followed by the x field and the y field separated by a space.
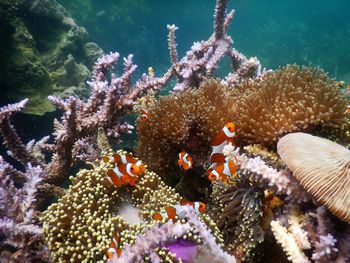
pixel 18 219
pixel 183 121
pixel 286 100
pixel 237 210
pixel 289 244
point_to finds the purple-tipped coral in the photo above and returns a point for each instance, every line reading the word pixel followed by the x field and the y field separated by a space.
pixel 18 221
pixel 171 236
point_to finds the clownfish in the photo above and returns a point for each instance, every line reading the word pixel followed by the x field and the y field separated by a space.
pixel 185 161
pixel 123 159
pixel 222 171
pixel 347 109
pixel 218 143
pixel 114 247
pixel 199 207
pixel 124 174
pixel 144 114
pixel 177 212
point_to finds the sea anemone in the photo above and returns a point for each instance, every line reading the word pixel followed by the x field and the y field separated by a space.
pixel 289 99
pixel 186 121
pixel 237 211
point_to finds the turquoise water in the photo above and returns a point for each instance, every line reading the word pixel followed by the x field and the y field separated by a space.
pixel 277 32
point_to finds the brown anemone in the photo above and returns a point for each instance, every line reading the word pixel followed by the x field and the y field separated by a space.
pixel 322 168
pixel 290 99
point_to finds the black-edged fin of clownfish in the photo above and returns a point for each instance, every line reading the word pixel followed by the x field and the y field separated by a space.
pixel 171 212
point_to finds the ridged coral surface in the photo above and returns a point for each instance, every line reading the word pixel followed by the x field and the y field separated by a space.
pixel 290 99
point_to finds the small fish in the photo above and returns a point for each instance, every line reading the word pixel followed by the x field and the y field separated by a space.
pixel 114 247
pixel 225 136
pixel 144 115
pixel 123 174
pixel 347 109
pixel 185 161
pixel 199 207
pixel 177 212
pixel 170 213
pixel 150 72
pixel 222 171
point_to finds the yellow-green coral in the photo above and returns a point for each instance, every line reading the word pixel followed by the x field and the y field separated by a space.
pixel 79 227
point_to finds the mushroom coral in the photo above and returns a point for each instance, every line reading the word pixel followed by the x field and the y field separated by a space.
pixel 322 168
pixel 287 100
pixel 185 121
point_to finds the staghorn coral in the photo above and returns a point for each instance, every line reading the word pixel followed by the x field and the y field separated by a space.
pixel 289 99
pixel 182 121
pixel 237 211
pixel 21 234
pixel 289 244
pixel 79 227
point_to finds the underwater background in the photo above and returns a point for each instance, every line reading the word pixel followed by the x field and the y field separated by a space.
pixel 276 32
pixel 192 149
pixel 305 32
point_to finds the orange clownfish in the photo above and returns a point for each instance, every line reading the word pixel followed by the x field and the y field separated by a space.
pixel 177 212
pixel 123 174
pixel 218 143
pixel 185 161
pixel 199 207
pixel 123 159
pixel 114 247
pixel 222 171
pixel 144 114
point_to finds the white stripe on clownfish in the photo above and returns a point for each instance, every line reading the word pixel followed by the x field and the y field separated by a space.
pixel 129 168
pixel 218 143
pixel 177 211
pixel 185 160
pixel 228 133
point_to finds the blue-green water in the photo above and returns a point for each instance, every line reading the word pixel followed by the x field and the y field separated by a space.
pixel 276 31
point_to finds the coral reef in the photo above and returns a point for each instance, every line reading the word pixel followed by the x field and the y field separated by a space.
pixel 43 52
pixel 195 196
pixel 289 99
pixel 185 121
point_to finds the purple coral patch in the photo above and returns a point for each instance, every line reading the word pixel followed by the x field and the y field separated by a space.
pixel 182 248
